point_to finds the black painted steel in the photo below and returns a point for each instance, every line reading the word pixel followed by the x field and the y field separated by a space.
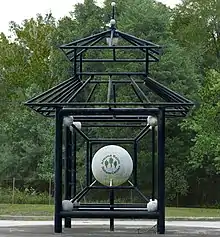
pixel 68 170
pixel 135 161
pixel 80 195
pixel 139 92
pixel 116 205
pixel 87 162
pixel 102 125
pixel 161 172
pixel 111 199
pixel 153 163
pixel 113 187
pixel 111 47
pixel 81 133
pixel 107 111
pixel 58 175
pixel 159 104
pixel 124 60
pixel 74 171
pixel 86 39
pixel 109 214
pixel 90 162
pixel 142 133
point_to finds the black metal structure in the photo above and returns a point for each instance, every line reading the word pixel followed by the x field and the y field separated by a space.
pixel 78 97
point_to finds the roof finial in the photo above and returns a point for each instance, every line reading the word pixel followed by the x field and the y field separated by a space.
pixel 113 21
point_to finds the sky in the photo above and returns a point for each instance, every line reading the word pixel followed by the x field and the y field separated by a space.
pixel 18 10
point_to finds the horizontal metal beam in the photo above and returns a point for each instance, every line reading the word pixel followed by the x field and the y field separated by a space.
pixel 159 104
pixel 112 187
pixel 112 73
pixel 108 111
pixel 116 205
pixel 79 208
pixel 108 214
pixel 168 115
pixel 104 60
pixel 103 125
pixel 103 141
pixel 111 120
pixel 111 142
pixel 115 81
pixel 109 47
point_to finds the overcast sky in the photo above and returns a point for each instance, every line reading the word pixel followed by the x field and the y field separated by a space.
pixel 18 10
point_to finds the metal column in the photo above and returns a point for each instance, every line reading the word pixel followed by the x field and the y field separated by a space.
pixel 153 163
pixel 74 163
pixel 87 163
pixel 112 197
pixel 135 151
pixel 161 172
pixel 90 162
pixel 68 170
pixel 58 174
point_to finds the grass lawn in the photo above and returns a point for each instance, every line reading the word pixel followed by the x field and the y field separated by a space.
pixel 47 210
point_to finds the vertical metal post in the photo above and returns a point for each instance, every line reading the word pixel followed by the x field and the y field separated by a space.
pixel 114 94
pixel 161 172
pixel 80 66
pixel 135 163
pixel 68 170
pixel 113 12
pixel 74 163
pixel 90 163
pixel 75 62
pixel 58 174
pixel 114 54
pixel 111 199
pixel 87 163
pixel 153 163
pixel 147 63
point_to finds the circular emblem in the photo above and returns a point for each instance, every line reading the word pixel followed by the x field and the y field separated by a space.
pixel 110 164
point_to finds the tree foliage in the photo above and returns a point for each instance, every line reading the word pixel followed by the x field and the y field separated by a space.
pixel 196 25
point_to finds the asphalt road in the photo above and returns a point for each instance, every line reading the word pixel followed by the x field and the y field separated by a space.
pixel 101 228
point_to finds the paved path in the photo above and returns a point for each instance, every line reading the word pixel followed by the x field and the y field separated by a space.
pixel 100 228
pixel 135 223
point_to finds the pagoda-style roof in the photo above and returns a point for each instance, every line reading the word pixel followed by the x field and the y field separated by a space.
pixel 107 88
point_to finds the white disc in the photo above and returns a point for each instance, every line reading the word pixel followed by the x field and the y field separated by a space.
pixel 112 165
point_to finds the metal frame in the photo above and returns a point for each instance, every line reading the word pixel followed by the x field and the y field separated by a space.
pixel 110 210
pixel 65 100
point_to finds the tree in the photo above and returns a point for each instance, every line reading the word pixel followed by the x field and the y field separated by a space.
pixel 25 70
pixel 196 25
pixel 205 153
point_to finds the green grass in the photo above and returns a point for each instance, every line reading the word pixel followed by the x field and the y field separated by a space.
pixel 192 212
pixel 47 210
pixel 26 209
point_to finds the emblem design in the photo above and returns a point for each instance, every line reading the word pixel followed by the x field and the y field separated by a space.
pixel 110 164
